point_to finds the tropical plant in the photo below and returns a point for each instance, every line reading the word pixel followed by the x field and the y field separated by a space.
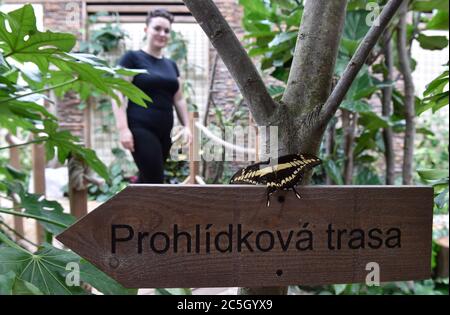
pixel 33 63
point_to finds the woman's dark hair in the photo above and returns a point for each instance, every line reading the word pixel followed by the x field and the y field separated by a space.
pixel 159 13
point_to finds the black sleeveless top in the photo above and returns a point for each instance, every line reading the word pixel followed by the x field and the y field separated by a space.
pixel 160 83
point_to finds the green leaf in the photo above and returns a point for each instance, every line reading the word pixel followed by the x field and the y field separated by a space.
pixel 10 284
pixel 25 43
pixel 10 243
pixel 102 282
pixel 333 171
pixel 339 288
pixel 432 174
pixel 66 144
pixel 22 287
pixel 439 21
pixel 45 269
pixel 372 121
pixel 7 283
pixel 367 176
pixel 432 42
pixel 282 38
pixel 349 46
pixel 442 198
pixel 38 206
pixel 430 5
pixel 16 113
pixel 355 25
pixel 435 95
pixel 366 141
pixel 437 85
pixel 254 9
pixel 101 77
pixel 13 173
pixel 356 106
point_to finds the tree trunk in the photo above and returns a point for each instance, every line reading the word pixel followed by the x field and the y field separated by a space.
pixel 405 69
pixel 306 106
pixel 315 54
pixel 389 153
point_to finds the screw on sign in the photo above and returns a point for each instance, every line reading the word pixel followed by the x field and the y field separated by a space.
pixel 225 235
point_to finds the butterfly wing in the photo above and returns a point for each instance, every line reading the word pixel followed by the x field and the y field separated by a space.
pixel 250 174
pixel 291 169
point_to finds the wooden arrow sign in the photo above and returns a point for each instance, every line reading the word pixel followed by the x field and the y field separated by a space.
pixel 180 236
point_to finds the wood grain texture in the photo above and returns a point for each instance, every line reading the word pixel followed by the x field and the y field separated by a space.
pixel 156 208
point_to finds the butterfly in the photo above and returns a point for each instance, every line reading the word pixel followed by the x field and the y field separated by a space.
pixel 285 175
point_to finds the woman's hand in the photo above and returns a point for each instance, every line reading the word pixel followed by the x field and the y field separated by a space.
pixel 126 139
pixel 187 135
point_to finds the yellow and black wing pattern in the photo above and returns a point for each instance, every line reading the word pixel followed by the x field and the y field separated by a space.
pixel 285 174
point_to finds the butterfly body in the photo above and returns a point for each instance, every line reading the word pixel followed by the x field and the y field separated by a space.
pixel 284 175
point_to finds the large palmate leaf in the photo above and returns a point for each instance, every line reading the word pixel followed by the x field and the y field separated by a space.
pixel 46 270
pixel 20 38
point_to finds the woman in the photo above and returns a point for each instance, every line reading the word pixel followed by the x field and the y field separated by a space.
pixel 146 131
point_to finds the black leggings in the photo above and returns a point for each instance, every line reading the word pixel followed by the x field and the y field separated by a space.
pixel 150 152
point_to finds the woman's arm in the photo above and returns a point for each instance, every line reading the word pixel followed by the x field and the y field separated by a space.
pixel 182 112
pixel 120 114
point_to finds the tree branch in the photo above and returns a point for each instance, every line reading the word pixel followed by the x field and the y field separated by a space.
pixel 404 59
pixel 37 140
pixel 312 69
pixel 235 58
pixel 357 61
pixel 387 91
pixel 210 90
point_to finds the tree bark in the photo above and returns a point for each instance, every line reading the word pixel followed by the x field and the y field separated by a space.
pixel 310 78
pixel 389 153
pixel 315 54
pixel 405 69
